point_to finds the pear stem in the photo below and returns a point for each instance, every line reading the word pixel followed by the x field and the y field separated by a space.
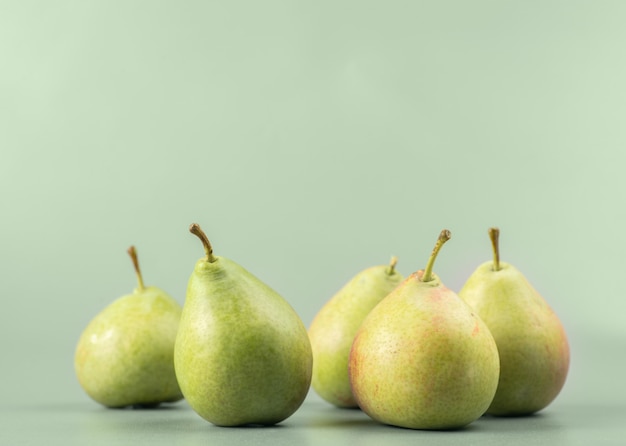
pixel 132 252
pixel 208 249
pixel 444 236
pixel 494 234
pixel 392 266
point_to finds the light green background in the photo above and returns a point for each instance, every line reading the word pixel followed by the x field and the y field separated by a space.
pixel 310 140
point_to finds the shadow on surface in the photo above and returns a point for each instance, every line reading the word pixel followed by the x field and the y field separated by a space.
pixel 331 417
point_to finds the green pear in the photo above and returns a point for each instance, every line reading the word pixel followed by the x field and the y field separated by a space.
pixel 243 355
pixel 125 356
pixel 422 359
pixel 533 346
pixel 333 328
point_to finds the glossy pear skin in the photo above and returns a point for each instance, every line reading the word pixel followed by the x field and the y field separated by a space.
pixel 242 354
pixel 125 356
pixel 335 325
pixel 533 346
pixel 423 360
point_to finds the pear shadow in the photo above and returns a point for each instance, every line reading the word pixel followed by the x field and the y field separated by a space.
pixel 453 430
pixel 330 416
pixel 374 430
pixel 534 417
pixel 332 423
pixel 333 417
pixel 93 407
pixel 147 407
pixel 249 426
pixel 201 430
pixel 349 409
pixel 515 416
pixel 520 424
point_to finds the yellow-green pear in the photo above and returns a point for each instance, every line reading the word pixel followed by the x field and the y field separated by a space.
pixel 125 355
pixel 532 343
pixel 242 355
pixel 422 359
pixel 333 328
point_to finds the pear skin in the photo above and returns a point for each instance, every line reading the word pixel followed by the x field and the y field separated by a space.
pixel 532 343
pixel 422 359
pixel 242 354
pixel 125 355
pixel 335 325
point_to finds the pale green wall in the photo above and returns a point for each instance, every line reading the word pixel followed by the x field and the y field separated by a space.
pixel 310 140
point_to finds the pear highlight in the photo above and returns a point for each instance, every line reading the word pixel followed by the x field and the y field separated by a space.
pixel 125 355
pixel 242 355
pixel 422 359
pixel 335 325
pixel 532 343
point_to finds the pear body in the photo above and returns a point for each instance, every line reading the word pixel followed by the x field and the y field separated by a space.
pixel 242 355
pixel 532 343
pixel 125 355
pixel 335 325
pixel 423 360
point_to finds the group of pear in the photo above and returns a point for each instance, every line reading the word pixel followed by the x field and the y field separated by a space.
pixel 408 352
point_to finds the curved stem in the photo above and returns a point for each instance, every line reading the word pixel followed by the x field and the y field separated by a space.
pixel 195 229
pixel 132 252
pixel 392 266
pixel 444 236
pixel 494 234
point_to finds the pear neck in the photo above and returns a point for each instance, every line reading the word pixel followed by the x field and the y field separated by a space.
pixel 433 282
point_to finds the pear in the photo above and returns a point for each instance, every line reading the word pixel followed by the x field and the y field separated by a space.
pixel 333 328
pixel 532 343
pixel 242 355
pixel 125 355
pixel 422 359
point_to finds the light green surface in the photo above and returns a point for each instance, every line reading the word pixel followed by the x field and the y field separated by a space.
pixel 310 140
pixel 315 423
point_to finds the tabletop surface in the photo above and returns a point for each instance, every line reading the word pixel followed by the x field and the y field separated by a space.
pixel 314 423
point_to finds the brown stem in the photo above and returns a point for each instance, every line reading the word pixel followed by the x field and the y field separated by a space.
pixel 494 235
pixel 132 252
pixel 195 229
pixel 392 266
pixel 444 236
